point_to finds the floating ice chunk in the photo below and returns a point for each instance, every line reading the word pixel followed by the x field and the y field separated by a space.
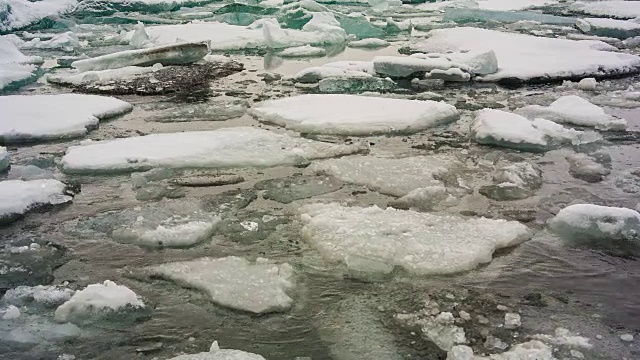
pixel 501 128
pixel 16 14
pixel 340 85
pixel 317 73
pixel 327 114
pixel 183 234
pixel 589 84
pixel 362 66
pixel 477 63
pixel 526 58
pixel 11 312
pixel 514 182
pixel 18 197
pixel 42 294
pixel 626 337
pixel 369 43
pixel 404 66
pixel 619 29
pixel 398 26
pixel 572 109
pixel 566 338
pixel 15 67
pixel 235 282
pixel 616 9
pixel 588 221
pixel 223 148
pixel 358 24
pixel 444 334
pixel 582 166
pixel 4 159
pixel 139 37
pixel 513 5
pixel 452 74
pixel 421 243
pixel 461 16
pixel 45 117
pixel 215 353
pixel 396 177
pixel 98 299
pixel 303 51
pixel 530 350
pixel 426 199
pixel 65 41
pixel 177 54
pixel 102 76
pixel 512 321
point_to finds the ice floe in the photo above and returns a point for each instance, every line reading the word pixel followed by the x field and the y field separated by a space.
pixel 369 43
pixel 46 117
pixel 223 148
pixel 609 27
pixel 16 14
pixel 572 109
pixel 98 300
pixel 174 54
pixel 373 239
pixel 303 51
pixel 531 58
pixel 18 197
pixel 502 128
pixel 15 67
pixel 396 177
pixel 353 115
pixel 234 282
pixel 215 353
pixel 616 9
pixel 4 159
pixel 317 73
pixel 595 222
pixel 184 233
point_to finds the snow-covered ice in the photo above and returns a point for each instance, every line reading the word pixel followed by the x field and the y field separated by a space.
pixel 396 177
pixel 97 300
pixel 4 159
pixel 619 29
pixel 533 349
pixel 183 234
pixel 266 34
pixel 595 222
pixel 421 243
pixel 234 282
pixel 403 66
pixel 47 295
pixel 101 76
pixel 362 66
pixel 353 115
pixel 18 197
pixel 174 54
pixel 11 312
pixel 524 57
pixel 223 148
pixel 369 43
pixel 303 51
pixel 502 128
pixel 499 5
pixel 16 14
pixel 616 8
pixel 572 109
pixel 46 117
pixel 215 353
pixel 15 67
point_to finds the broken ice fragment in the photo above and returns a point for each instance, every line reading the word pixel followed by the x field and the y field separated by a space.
pixel 595 222
pixel 421 243
pixel 46 117
pixel 175 54
pixel 215 353
pixel 325 114
pixel 17 197
pixel 234 282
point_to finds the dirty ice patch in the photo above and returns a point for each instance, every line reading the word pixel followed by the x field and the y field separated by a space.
pixel 353 115
pixel 17 197
pixel 97 300
pixel 395 177
pixel 595 222
pixel 16 14
pixel 223 148
pixel 234 282
pixel 615 9
pixel 422 243
pixel 174 54
pixel 15 67
pixel 46 117
pixel 502 128
pixel 572 109
pixel 215 353
pixel 531 58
